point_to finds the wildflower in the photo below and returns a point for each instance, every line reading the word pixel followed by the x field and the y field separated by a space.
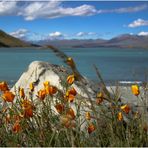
pixel 21 93
pixel 46 83
pixel 59 108
pixel 135 90
pixel 120 116
pixel 26 104
pixel 70 62
pixel 27 108
pixel 87 116
pixel 4 86
pixel 100 98
pixel 50 90
pixel 91 128
pixel 67 121
pixel 28 113
pixel 8 96
pixel 70 79
pixel 145 127
pixel 31 86
pixel 100 95
pixel 16 127
pixel 70 94
pixel 71 113
pixel 7 119
pixel 125 108
pixel 42 94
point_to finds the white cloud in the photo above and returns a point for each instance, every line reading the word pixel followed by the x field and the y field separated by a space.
pixel 56 35
pixel 80 34
pixel 20 33
pixel 142 33
pixel 54 9
pixel 85 34
pixel 7 8
pixel 138 23
pixel 124 9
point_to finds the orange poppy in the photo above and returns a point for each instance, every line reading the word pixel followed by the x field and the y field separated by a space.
pixel 50 90
pixel 21 93
pixel 120 116
pixel 26 104
pixel 8 96
pixel 70 62
pixel 59 108
pixel 42 94
pixel 125 108
pixel 67 121
pixel 28 108
pixel 71 113
pixel 4 86
pixel 100 98
pixel 31 86
pixel 16 127
pixel 28 113
pixel 91 128
pixel 70 79
pixel 87 116
pixel 70 94
pixel 135 90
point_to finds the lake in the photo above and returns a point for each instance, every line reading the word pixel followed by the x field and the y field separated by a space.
pixel 124 65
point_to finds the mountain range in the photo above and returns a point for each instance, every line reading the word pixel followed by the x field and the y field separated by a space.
pixel 122 41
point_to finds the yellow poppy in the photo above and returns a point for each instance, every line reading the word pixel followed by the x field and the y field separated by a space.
pixel 21 93
pixel 135 90
pixel 120 116
pixel 70 79
pixel 8 96
pixel 31 86
pixel 87 116
pixel 46 83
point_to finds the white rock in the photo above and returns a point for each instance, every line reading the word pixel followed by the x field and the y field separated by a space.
pixel 38 72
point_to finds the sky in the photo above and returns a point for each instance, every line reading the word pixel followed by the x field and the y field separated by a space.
pixel 38 20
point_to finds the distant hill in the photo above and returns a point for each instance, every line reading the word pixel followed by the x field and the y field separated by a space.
pixel 122 41
pixel 128 41
pixel 7 40
pixel 72 42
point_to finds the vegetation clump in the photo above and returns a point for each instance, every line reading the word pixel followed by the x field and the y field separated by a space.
pixel 62 119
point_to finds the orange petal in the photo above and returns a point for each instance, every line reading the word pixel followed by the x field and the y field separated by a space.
pixel 70 79
pixel 8 96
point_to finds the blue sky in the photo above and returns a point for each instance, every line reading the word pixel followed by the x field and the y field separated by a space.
pixel 68 20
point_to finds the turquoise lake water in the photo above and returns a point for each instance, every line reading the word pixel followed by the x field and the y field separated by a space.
pixel 114 64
